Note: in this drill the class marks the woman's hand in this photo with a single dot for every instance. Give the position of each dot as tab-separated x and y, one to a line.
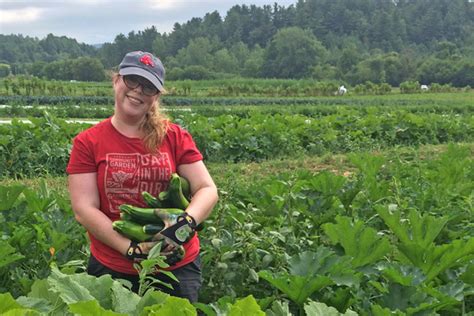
140	251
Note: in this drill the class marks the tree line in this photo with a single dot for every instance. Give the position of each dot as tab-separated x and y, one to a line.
358	41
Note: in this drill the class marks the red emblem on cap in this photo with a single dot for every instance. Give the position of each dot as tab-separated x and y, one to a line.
146	60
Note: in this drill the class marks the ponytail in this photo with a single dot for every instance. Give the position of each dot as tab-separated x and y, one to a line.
154	126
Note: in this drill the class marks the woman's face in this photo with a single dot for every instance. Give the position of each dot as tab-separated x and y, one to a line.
131	103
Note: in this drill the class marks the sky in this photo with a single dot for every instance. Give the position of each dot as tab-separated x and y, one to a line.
99	21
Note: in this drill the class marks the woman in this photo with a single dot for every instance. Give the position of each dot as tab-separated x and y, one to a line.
136	150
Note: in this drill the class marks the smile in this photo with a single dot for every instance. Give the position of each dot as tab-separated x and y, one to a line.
134	100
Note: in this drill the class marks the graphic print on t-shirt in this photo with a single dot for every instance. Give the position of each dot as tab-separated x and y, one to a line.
128	175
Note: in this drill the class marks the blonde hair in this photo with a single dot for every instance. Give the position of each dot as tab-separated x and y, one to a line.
155	126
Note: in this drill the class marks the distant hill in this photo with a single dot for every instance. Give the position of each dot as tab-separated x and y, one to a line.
25	49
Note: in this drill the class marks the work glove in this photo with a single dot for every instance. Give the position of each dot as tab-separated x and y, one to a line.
139	251
179	227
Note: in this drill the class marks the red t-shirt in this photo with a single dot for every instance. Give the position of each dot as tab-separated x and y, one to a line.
125	169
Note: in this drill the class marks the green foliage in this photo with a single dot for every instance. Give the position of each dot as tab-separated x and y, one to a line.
360	242
253	136
9	195
293	228
292	53
81	294
246	306
39	148
417	235
309	272
83	68
5	70
409	86
38	228
321	309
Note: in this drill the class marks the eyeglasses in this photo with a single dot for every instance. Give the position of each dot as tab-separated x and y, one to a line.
133	81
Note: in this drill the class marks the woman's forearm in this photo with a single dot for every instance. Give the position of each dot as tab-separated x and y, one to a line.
100	226
202	203
85	204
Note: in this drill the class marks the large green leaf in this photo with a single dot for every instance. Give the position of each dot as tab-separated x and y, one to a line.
87	308
38	304
246	306
150	298
405	275
421	299
38	202
9	195
321	309
311	263
124	301
279	308
417	235
98	287
358	240
323	261
370	165
7	302
205	309
417	231
221	307
10	307
468	275
171	307
297	288
21	312
69	290
445	256
41	290
401	297
327	183
452	292
380	311
310	272
9	254
348	192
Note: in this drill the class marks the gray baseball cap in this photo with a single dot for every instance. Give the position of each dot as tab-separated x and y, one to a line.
145	65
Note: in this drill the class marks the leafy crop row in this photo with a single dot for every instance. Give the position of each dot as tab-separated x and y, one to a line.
312	110
43	147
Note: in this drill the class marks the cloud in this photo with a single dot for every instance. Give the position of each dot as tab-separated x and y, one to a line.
163	4
28	14
99	21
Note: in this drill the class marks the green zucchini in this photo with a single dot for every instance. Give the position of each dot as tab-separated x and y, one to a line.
131	230
175	196
185	187
152	228
151	200
140	214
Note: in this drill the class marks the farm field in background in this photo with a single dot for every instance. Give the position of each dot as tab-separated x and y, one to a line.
356	204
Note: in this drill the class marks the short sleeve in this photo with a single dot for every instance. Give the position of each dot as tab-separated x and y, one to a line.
186	150
82	159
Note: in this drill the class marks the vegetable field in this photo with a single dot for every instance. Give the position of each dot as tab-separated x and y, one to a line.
331	206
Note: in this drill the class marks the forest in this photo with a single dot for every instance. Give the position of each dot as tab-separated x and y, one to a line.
378	41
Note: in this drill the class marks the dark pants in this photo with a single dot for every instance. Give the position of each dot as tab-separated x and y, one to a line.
189	277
